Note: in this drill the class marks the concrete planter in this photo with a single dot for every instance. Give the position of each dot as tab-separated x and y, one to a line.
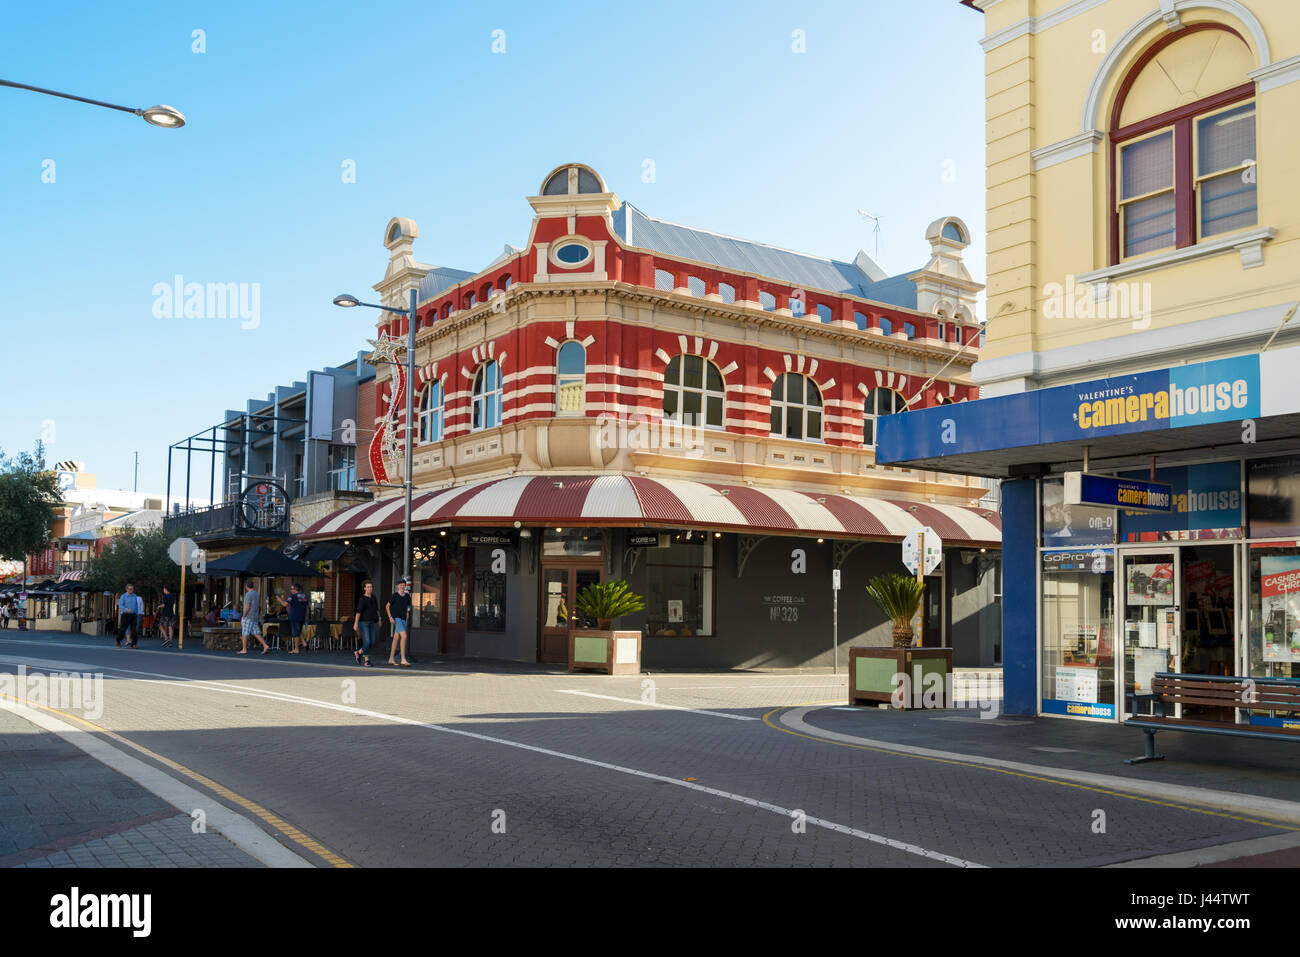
613	652
873	671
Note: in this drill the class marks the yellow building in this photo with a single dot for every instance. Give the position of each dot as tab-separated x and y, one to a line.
1138	380
1142	201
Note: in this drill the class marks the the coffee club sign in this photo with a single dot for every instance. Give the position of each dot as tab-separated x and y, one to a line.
487	539
1224	390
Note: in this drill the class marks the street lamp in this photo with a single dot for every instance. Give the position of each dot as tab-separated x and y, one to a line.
167	117
348	301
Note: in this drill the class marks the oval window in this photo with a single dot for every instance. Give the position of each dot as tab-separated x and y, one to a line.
572	254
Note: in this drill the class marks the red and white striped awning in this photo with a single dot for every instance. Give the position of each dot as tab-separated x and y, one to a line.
75	575
632	501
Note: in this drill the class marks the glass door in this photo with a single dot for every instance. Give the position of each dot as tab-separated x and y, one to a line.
560	587
1150	588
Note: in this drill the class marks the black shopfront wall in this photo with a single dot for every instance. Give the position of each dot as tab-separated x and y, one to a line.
775	616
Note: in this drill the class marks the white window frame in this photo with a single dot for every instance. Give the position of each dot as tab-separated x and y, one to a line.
705	393
482	402
802	408
871	410
571	380
427	414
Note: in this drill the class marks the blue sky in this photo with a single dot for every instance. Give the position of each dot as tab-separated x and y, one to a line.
883	112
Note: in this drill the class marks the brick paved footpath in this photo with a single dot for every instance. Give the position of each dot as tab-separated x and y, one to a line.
59	807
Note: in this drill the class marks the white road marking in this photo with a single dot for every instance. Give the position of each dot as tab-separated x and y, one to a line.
656	704
239	830
904	846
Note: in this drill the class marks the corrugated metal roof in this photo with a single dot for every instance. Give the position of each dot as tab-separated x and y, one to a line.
726	252
439	279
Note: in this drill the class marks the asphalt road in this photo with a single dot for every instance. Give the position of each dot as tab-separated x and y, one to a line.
380	767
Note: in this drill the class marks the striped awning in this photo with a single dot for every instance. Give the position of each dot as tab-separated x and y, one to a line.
633	501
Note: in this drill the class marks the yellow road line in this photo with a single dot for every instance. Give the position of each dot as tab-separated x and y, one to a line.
271	819
1008	771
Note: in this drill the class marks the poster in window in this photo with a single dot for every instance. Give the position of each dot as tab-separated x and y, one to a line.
674	609
1151	584
1073	524
1280	592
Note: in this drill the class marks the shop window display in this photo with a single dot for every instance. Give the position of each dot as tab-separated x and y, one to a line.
680	587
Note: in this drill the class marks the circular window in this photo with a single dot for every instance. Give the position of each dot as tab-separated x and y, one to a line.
572	254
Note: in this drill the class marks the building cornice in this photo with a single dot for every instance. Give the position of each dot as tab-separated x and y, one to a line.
520	293
1081	144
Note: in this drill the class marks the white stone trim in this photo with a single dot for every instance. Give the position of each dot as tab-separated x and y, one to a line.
1250	246
1032	25
1081	144
1119	53
1276	74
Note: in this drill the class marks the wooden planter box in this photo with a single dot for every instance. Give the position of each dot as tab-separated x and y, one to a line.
613	652
872	672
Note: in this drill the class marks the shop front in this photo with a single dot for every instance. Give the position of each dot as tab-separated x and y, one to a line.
731	577
1101	597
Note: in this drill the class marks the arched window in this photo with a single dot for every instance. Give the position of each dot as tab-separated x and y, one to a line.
487	397
1183	143
571	379
796	407
694	393
886	326
879	402
429	414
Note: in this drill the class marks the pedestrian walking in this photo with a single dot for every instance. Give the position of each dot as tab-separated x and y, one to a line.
365	621
297	605
4	614
399	613
130	608
166	616
250	622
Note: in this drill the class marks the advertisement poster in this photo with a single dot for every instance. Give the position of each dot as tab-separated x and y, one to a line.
1280	592
1151	584
674	609
1147	663
1073	524
1074	683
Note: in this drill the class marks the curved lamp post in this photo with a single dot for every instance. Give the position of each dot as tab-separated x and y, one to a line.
168	117
348	301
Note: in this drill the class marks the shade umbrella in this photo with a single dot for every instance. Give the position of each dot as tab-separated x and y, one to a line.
262	561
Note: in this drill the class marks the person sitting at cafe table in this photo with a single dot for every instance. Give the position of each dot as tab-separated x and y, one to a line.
297	605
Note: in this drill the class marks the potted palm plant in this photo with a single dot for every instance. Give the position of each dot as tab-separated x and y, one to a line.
903	676
601	648
898	596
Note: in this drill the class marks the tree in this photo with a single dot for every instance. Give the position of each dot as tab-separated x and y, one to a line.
138	556
28	496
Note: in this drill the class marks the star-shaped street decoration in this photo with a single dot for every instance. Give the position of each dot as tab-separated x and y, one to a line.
386	349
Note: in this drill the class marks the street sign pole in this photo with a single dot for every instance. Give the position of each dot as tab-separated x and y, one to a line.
181	638
835	620
920	577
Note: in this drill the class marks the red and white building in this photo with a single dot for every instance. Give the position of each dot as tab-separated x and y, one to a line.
624	397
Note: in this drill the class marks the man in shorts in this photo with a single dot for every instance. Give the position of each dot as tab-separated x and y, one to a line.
399	613
251	622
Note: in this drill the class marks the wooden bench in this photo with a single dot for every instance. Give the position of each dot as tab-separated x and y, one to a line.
1277	695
